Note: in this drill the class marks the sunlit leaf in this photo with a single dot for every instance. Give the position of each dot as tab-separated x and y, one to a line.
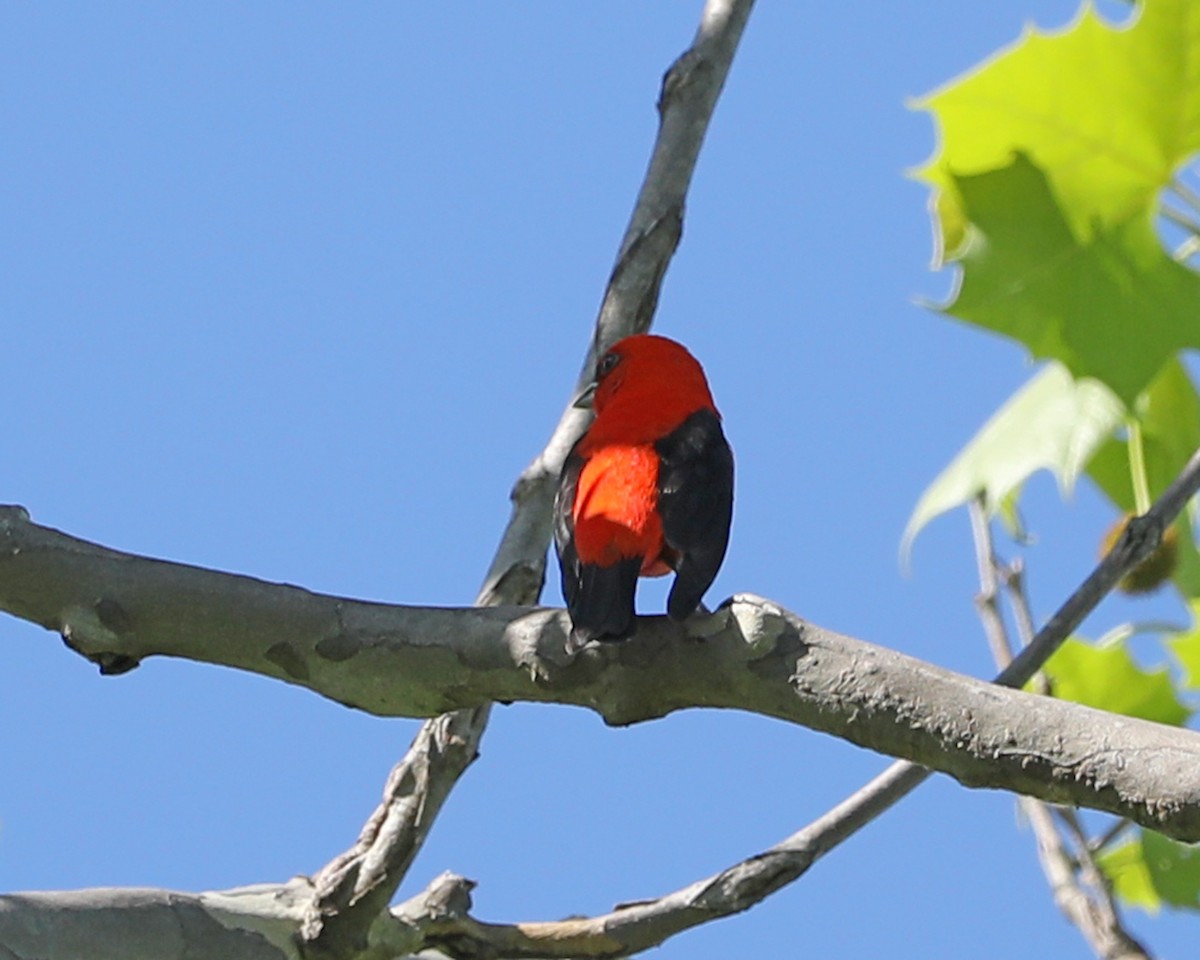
1174	869
1047	181
1052	423
1187	574
1152	870
1125	867
1107	678
1186	648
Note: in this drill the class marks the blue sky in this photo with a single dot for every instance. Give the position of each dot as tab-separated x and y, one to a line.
296	291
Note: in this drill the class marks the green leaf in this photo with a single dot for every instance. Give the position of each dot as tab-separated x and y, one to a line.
1107	678
1174	869
1054	422
1187	574
1186	648
1046	186
1125	867
1154	870
1115	307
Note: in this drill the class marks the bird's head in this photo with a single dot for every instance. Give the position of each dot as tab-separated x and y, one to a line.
647	376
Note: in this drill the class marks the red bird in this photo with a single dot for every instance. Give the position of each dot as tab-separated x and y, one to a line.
646	490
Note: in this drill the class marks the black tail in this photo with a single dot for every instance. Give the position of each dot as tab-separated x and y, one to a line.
601	606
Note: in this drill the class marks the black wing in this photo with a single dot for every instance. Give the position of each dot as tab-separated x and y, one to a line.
599	599
695	500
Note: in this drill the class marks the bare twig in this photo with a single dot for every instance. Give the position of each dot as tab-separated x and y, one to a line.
639	926
1012	576
1141	538
1077	884
352	891
1081	852
1185	193
1180	219
1090	908
987	601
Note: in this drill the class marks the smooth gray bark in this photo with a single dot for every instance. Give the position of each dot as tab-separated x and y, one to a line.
752	655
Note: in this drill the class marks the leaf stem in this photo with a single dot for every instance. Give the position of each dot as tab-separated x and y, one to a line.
1137	467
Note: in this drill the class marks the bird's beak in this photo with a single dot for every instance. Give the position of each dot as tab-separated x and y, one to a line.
583	399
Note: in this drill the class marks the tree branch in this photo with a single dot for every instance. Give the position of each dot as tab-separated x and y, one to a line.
750	655
249	923
1077	885
689	95
1141	537
1092	911
352	891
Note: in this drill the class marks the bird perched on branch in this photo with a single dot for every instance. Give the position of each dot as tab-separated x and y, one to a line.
646	490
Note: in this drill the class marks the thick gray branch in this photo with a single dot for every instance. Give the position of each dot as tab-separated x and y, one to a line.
419	661
251	923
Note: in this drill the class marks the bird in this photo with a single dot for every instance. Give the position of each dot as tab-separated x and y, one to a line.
646	490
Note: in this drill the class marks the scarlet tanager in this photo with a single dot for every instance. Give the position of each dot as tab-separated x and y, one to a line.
646	490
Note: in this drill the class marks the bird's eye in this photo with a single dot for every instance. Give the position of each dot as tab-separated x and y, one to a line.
606	364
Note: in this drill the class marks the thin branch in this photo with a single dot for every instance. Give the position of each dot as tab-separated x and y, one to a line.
1141	538
1082	856
1187	249
1114	933
987	600
1012	575
1076	883
1118	829
352	891
1092	912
